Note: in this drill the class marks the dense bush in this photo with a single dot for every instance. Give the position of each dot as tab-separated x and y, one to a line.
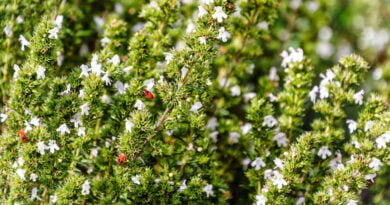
194	102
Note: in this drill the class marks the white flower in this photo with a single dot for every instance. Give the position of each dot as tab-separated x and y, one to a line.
280	139
300	200
24	42
34	194
208	189
52	146
356	144
278	180
212	123
208	2
352	125
246	128
104	41
313	93
202	40
127	69
223	34
53	33
120	87
136	179
352	202
129	125
106	78
33	177
201	11
84	71
184	71
95	151
59	20
168	57
190	27
263	25
21	173
324	152
369	124
8	30
214	136
296	55
261	199
183	186
66	91
370	177
195	107
3	117
96	68
41	72
375	164
115	60
149	84
28	127
358	97
324	92
382	140
273	74
81	131
268	174
219	14
16	71
234	137
63	129
258	163
269	121
76	120
84	109
249	96
235	91
279	163
53	199
41	147
139	104
86	188
35	121
81	94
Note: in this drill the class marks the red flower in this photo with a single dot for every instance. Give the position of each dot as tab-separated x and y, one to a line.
121	159
148	94
23	136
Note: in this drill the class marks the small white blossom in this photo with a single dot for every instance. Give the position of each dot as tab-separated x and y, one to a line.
235	91
279	163
127	69
272	97
53	33
120	87
370	177
212	123
63	129
234	137
52	146
76	120
324	92
139	104
324	152
269	121
183	186
190	27
35	121
313	94
207	2
195	107
281	139
21	173
41	72
202	40
34	194
246	128
136	179
369	124
129	125
219	14
81	94
24	42
278	180
33	177
273	74
261	199
8	30
84	71
352	125
106	78
382	140
81	131
208	189
258	163
3	117
58	21
84	109
115	60
66	91
41	147
149	84
201	11
223	34
249	96
358	97
53	199
95	152
168	57
296	55
28	127
352	202
184	71
375	164
86	188
263	25
300	200
96	68
16	71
